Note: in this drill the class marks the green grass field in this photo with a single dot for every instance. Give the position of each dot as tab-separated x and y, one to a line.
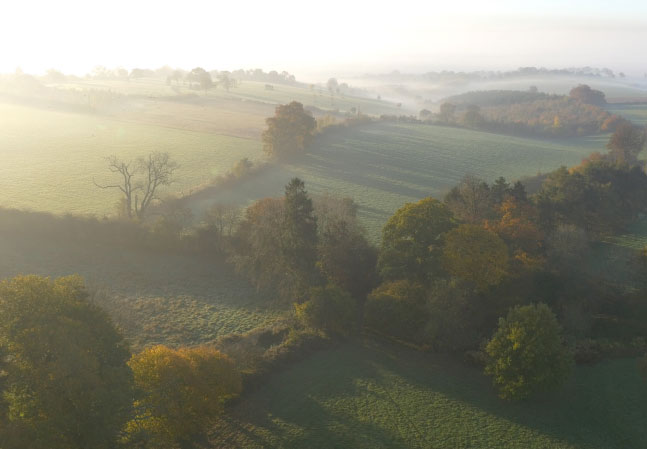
380	396
252	91
382	166
50	158
637	113
634	238
155	298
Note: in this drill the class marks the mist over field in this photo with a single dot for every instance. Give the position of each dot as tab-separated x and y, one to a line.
342	225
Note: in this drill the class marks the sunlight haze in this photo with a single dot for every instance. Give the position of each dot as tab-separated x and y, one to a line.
348	37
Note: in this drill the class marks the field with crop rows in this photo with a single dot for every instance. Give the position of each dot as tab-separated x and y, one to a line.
381	396
382	166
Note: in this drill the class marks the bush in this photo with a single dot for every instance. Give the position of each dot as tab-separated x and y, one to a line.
526	353
587	351
262	352
329	309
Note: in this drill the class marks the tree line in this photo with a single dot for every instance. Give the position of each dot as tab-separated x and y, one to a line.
489	272
528	113
453	274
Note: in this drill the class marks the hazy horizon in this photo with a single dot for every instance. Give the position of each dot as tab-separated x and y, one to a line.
337	37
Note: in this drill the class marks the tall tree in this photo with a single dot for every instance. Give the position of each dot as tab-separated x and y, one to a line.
411	240
289	132
65	383
526	353
276	244
347	259
225	80
258	244
475	255
447	111
299	237
626	143
585	94
140	181
332	86
202	77
470	200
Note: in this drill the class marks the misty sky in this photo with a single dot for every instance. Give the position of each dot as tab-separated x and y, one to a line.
303	37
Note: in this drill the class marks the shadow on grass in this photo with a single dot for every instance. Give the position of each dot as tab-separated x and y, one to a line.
305	423
380	395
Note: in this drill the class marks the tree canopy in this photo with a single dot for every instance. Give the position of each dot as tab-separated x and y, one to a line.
585	94
475	254
626	143
411	240
299	240
179	393
526	353
289	132
65	382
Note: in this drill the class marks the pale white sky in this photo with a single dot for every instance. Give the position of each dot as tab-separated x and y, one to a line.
335	35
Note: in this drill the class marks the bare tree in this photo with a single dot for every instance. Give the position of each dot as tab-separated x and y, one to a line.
223	218
158	169
469	200
144	177
126	170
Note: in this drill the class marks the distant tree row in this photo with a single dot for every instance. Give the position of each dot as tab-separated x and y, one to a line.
529	113
521	72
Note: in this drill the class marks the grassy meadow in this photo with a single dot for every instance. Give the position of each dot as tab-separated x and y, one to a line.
375	395
50	158
246	91
384	165
155	298
637	113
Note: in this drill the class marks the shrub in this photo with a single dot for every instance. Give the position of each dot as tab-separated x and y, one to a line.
329	309
526	353
587	351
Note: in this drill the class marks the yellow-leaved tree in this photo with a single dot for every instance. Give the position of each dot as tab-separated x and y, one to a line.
526	355
180	393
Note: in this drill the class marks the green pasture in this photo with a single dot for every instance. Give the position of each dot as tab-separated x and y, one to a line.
155	298
382	166
318	96
637	113
374	395
50	158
